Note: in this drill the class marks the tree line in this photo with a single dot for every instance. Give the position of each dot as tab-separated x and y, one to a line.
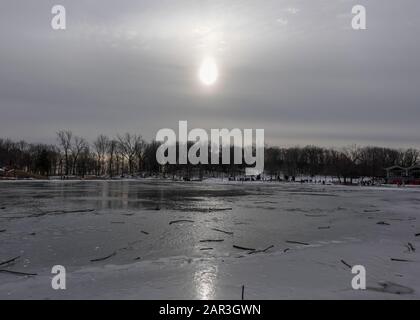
130	155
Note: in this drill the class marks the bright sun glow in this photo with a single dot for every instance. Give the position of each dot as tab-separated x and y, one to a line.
209	72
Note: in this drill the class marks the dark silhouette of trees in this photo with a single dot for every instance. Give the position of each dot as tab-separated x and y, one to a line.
130	155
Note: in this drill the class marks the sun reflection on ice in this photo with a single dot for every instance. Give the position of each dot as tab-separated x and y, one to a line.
205	279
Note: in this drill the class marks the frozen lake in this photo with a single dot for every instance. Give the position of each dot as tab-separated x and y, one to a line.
148	239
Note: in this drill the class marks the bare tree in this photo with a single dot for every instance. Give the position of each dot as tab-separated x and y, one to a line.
139	147
128	145
65	140
409	157
101	145
77	147
112	157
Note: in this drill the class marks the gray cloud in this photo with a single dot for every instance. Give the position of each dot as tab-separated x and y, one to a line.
294	68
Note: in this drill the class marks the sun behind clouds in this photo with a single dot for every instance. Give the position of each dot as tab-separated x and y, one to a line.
209	72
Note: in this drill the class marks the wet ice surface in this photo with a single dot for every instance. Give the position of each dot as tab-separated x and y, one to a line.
144	239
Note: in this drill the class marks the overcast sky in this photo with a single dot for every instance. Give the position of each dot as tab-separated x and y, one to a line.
293	68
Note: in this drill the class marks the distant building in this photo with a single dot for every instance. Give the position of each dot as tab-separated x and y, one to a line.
401	175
